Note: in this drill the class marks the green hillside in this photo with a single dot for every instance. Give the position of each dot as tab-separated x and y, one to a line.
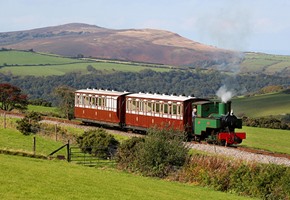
266	63
27	178
267	139
24	63
262	105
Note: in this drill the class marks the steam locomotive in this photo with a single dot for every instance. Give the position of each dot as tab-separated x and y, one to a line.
201	119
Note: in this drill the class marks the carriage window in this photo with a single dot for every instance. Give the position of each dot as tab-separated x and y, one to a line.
157	107
77	100
135	105
145	106
111	103
93	101
174	109
149	106
129	105
165	107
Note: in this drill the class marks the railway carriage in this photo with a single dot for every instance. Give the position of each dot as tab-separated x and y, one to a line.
144	110
100	106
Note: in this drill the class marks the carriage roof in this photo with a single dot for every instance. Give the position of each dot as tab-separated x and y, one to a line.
101	92
160	97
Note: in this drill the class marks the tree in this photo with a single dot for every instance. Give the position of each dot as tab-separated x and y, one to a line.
12	98
65	95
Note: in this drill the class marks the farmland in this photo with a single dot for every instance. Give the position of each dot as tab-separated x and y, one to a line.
266	63
23	63
43	64
263	105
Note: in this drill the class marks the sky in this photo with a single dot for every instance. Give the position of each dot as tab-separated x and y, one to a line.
244	25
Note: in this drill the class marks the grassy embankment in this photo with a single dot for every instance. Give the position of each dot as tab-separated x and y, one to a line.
267	139
13	140
262	105
275	104
22	63
266	63
28	178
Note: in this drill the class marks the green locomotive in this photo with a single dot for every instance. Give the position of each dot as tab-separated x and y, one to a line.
215	122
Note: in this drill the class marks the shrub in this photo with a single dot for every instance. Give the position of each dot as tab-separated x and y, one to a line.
160	153
98	143
24	126
127	153
29	124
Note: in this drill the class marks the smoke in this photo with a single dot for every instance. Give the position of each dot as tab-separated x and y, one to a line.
229	26
224	94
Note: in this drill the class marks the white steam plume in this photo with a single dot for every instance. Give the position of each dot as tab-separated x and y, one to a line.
224	94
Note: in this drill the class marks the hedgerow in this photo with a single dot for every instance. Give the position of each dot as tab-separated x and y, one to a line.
267	122
265	181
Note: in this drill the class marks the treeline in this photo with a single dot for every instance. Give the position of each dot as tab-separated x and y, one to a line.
268	122
199	83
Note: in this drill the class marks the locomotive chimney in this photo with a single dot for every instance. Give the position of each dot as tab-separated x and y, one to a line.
222	108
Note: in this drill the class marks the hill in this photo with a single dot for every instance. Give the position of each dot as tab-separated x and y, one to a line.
260	63
142	45
263	105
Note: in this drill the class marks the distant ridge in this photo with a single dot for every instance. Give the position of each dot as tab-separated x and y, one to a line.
142	45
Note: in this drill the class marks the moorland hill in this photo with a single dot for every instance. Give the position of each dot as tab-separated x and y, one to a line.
142	45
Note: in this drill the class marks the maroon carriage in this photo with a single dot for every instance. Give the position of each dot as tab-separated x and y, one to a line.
147	110
100	106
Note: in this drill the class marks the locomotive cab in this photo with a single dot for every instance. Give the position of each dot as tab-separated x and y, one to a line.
216	123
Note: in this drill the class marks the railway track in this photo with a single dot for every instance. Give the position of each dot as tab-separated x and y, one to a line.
263	155
239	152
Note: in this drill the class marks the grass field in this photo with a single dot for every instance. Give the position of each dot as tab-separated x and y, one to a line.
27	178
43	109
266	63
11	139
267	139
262	105
29	63
15	62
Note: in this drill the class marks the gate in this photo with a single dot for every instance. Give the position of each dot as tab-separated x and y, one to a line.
79	157
76	155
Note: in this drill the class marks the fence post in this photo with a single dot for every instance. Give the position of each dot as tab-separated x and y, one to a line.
34	145
68	151
4	120
55	131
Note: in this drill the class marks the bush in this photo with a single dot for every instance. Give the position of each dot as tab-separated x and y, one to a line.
24	126
29	124
127	154
160	153
98	143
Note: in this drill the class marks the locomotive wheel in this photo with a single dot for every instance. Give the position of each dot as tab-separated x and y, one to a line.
222	143
197	138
